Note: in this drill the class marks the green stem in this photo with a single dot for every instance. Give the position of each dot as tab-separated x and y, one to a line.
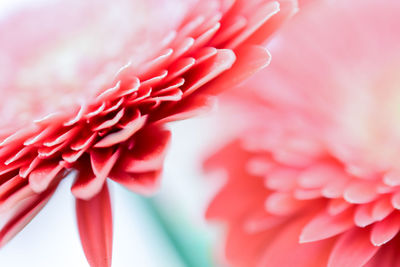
192	248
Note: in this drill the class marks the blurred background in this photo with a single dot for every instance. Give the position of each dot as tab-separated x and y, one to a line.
165	230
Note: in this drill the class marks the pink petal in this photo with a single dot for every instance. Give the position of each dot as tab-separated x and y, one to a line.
180	67
382	232
237	24
325	225
250	59
286	8
19	135
318	175
282	179
360	192
189	108
283	204
335	188
259	220
41	177
95	228
363	215
392	178
260	16
387	256
353	249
24	216
12	191
337	205
285	250
208	70
204	54
382	208
395	200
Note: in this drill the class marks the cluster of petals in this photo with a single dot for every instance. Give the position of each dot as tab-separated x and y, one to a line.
156	64
314	180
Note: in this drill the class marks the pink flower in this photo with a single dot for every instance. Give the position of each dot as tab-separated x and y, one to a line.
71	103
314	180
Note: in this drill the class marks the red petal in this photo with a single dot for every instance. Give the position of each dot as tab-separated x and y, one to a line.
208	70
141	183
180	67
124	134
149	151
111	122
89	184
95	228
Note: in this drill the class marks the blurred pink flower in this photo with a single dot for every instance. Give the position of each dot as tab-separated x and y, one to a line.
68	106
314	180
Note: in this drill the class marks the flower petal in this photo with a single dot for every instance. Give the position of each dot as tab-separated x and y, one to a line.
325	225
89	184
95	228
41	177
142	183
382	232
124	134
353	249
24	216
209	70
148	152
250	59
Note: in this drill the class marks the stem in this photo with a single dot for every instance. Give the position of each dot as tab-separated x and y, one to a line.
192	249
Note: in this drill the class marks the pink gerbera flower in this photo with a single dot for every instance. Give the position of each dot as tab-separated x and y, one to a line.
87	87
314	181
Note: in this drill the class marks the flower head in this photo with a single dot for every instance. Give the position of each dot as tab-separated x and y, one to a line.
91	95
314	180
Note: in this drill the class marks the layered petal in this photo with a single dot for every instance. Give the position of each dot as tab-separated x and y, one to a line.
90	96
314	162
95	227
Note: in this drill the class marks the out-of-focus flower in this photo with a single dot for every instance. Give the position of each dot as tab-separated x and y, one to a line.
314	180
88	85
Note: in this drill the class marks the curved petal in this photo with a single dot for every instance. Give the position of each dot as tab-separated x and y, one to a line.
24	216
353	249
382	232
250	59
325	225
286	241
89	183
148	152
143	183
95	228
